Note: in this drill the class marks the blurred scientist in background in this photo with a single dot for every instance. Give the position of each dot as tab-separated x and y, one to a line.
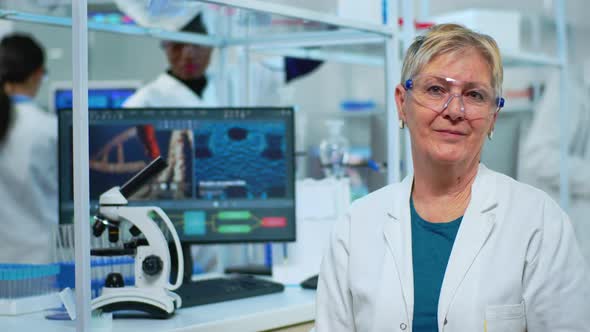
185	83
189	80
28	156
540	157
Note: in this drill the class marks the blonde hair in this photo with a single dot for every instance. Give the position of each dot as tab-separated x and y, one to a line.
451	38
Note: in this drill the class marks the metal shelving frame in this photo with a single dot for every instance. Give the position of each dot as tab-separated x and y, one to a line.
346	32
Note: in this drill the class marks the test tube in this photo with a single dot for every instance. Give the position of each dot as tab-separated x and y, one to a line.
2	283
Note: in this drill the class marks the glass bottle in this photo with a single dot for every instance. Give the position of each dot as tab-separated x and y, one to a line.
334	150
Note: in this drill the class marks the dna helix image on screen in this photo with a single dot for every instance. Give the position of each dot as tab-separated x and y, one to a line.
229	177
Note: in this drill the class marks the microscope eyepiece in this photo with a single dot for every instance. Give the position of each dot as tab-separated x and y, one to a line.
141	178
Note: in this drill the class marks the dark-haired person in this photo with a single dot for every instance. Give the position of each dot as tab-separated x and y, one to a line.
189	82
28	156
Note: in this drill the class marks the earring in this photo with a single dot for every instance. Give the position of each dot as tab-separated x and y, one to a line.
491	135
402	124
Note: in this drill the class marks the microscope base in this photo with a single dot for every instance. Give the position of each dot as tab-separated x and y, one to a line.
156	302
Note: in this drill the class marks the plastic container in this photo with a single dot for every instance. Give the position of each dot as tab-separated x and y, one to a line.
26	288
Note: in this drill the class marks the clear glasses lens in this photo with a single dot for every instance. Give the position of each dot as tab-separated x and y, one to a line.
475	99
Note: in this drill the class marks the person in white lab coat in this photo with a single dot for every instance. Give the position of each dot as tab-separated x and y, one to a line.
540	157
188	82
28	157
454	247
185	83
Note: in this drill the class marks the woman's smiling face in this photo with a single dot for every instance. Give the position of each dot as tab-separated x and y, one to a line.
448	137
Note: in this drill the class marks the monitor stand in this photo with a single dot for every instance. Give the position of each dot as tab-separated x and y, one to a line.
215	290
188	262
249	269
252	269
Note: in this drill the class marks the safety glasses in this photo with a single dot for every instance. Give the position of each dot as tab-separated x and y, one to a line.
476	100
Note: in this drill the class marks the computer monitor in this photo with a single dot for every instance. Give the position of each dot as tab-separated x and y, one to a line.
101	94
230	176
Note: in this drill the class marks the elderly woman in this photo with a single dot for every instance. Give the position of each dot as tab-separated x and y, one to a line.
454	246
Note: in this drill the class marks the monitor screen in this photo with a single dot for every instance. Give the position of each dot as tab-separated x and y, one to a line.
103	98
230	173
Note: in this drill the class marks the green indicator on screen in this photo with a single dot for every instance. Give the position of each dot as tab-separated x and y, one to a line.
234	229
234	215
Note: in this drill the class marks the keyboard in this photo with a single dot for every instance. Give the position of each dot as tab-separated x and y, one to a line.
225	289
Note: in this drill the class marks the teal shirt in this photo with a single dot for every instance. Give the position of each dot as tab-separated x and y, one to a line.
431	249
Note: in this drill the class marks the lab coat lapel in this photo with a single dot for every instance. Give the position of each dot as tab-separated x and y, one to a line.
397	231
476	226
181	95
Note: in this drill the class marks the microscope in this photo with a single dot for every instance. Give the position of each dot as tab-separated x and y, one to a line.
152	292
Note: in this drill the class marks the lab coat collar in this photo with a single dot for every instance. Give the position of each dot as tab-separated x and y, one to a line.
482	194
476	226
182	91
398	235
185	95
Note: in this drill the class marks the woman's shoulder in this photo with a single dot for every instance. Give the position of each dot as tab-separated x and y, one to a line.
376	207
524	197
506	184
30	116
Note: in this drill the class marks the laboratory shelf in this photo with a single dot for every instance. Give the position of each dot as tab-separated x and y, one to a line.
277	29
353	54
252	14
329	20
294	35
64	21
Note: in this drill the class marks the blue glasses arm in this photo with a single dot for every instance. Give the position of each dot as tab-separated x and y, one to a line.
409	84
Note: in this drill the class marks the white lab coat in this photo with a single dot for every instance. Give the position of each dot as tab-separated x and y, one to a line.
167	91
539	159
515	265
28	187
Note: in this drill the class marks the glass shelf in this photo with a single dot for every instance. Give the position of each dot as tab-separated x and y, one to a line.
357	54
278	14
256	24
265	27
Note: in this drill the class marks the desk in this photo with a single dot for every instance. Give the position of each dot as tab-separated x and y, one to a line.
291	307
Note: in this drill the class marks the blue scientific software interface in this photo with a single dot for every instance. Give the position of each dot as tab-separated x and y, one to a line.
97	97
230	173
